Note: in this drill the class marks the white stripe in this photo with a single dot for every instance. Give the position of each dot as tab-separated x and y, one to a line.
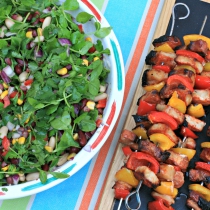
30	203
104	6
127	105
85	183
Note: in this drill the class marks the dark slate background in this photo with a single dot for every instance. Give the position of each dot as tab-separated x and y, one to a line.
191	25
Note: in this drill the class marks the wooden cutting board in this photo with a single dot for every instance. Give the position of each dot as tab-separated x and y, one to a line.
107	200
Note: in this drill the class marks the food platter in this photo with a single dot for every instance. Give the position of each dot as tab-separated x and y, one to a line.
144	192
115	91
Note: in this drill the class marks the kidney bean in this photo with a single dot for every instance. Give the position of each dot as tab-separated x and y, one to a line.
74	149
25	133
82	138
9	180
32	176
3	164
84	101
14	161
62	159
18	69
34	33
69	67
29	18
45	167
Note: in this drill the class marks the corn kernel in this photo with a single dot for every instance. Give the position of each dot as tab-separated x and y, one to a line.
48	148
5	85
21	140
29	34
19	101
91	105
88	39
62	71
14	141
85	62
27	120
76	136
39	31
71	156
19	116
29	130
96	58
5	168
5	93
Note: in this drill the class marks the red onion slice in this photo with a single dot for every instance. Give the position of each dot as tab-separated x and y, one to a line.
5	78
64	41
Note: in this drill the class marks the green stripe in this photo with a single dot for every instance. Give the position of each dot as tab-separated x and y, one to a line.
98	3
17	204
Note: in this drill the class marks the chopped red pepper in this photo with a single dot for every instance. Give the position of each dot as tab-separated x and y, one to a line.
145	107
28	82
164	68
98	122
13	94
162	117
158	205
121	193
191	54
5	143
92	49
127	150
4	153
185	131
142	159
80	28
6	101
202	165
101	103
202	82
183	80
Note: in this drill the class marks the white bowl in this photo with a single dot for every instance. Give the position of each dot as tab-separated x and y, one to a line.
115	97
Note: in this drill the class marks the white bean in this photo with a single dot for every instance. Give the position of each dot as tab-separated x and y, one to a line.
39	39
46	22
52	142
22	178
9	23
3	28
32	176
100	97
3	131
23	76
62	159
102	88
19	18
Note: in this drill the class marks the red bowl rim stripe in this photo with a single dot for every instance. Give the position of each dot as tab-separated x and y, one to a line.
93	9
106	126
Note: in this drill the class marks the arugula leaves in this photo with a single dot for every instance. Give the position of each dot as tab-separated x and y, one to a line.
48	107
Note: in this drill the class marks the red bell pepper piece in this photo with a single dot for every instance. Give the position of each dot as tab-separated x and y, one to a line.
158	205
202	82
28	82
13	94
5	143
92	49
127	150
162	117
183	80
80	28
145	108
121	193
142	159
98	122
164	68
101	103
191	54
6	101
185	131
202	165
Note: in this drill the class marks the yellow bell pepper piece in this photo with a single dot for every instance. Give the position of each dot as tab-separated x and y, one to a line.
165	48
206	67
162	140
196	110
205	192
177	67
157	87
194	37
205	145
177	103
185	151
127	176
167	188
140	132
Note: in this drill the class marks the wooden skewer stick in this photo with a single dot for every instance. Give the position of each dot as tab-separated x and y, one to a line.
202	27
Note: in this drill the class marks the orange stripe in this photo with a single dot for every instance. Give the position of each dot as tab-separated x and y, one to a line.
128	80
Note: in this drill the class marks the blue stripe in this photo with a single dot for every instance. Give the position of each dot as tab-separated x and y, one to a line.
62	196
120	14
118	66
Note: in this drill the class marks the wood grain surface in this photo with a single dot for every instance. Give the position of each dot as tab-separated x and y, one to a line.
107	199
